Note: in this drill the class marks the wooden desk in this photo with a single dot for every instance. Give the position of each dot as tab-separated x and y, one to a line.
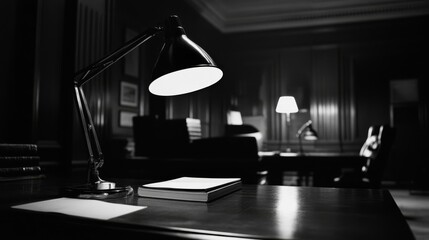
324	166
255	212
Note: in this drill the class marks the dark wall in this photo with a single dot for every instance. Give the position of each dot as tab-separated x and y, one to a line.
367	55
17	86
35	102
341	74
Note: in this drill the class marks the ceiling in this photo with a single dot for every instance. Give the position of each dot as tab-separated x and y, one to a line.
230	16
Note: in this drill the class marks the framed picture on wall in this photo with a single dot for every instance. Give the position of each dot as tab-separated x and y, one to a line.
126	118
129	94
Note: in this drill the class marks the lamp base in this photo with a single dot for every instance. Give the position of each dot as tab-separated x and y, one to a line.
100	190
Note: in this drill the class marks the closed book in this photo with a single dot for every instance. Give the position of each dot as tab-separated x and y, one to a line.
191	188
20	171
24	177
19	161
7	149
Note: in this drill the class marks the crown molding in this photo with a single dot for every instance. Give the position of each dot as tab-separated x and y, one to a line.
253	15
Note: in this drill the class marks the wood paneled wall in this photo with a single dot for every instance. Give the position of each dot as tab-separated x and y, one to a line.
339	77
311	75
18	87
93	41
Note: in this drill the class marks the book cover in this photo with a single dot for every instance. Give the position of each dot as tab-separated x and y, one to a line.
24	177
19	161
20	171
191	188
7	149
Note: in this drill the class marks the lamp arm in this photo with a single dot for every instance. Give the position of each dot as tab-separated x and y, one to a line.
96	68
301	150
96	158
299	134
94	161
303	127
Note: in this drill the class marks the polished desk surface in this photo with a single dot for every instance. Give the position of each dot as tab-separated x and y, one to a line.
339	158
306	154
255	212
324	166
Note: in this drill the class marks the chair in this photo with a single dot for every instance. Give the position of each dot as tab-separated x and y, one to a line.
227	156
165	138
178	144
235	127
376	150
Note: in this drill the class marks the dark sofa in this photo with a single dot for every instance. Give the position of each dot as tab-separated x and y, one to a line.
173	148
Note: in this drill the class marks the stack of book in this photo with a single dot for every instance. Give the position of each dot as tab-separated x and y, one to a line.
194	128
19	161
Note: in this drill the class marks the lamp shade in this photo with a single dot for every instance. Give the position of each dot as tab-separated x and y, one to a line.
234	118
182	66
286	104
310	134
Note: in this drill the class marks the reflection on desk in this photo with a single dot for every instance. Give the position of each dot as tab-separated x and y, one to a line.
255	212
309	154
324	166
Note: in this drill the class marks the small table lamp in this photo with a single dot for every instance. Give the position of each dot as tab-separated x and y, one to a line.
307	132
182	67
287	104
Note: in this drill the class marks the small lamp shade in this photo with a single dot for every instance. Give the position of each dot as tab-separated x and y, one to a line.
182	66
286	104
234	118
307	132
310	134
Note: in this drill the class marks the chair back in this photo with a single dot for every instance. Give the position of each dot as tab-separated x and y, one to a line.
164	137
377	150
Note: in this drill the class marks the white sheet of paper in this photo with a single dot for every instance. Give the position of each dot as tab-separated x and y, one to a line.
81	207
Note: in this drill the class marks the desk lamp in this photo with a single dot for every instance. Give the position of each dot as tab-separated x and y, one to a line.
182	67
307	132
287	104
